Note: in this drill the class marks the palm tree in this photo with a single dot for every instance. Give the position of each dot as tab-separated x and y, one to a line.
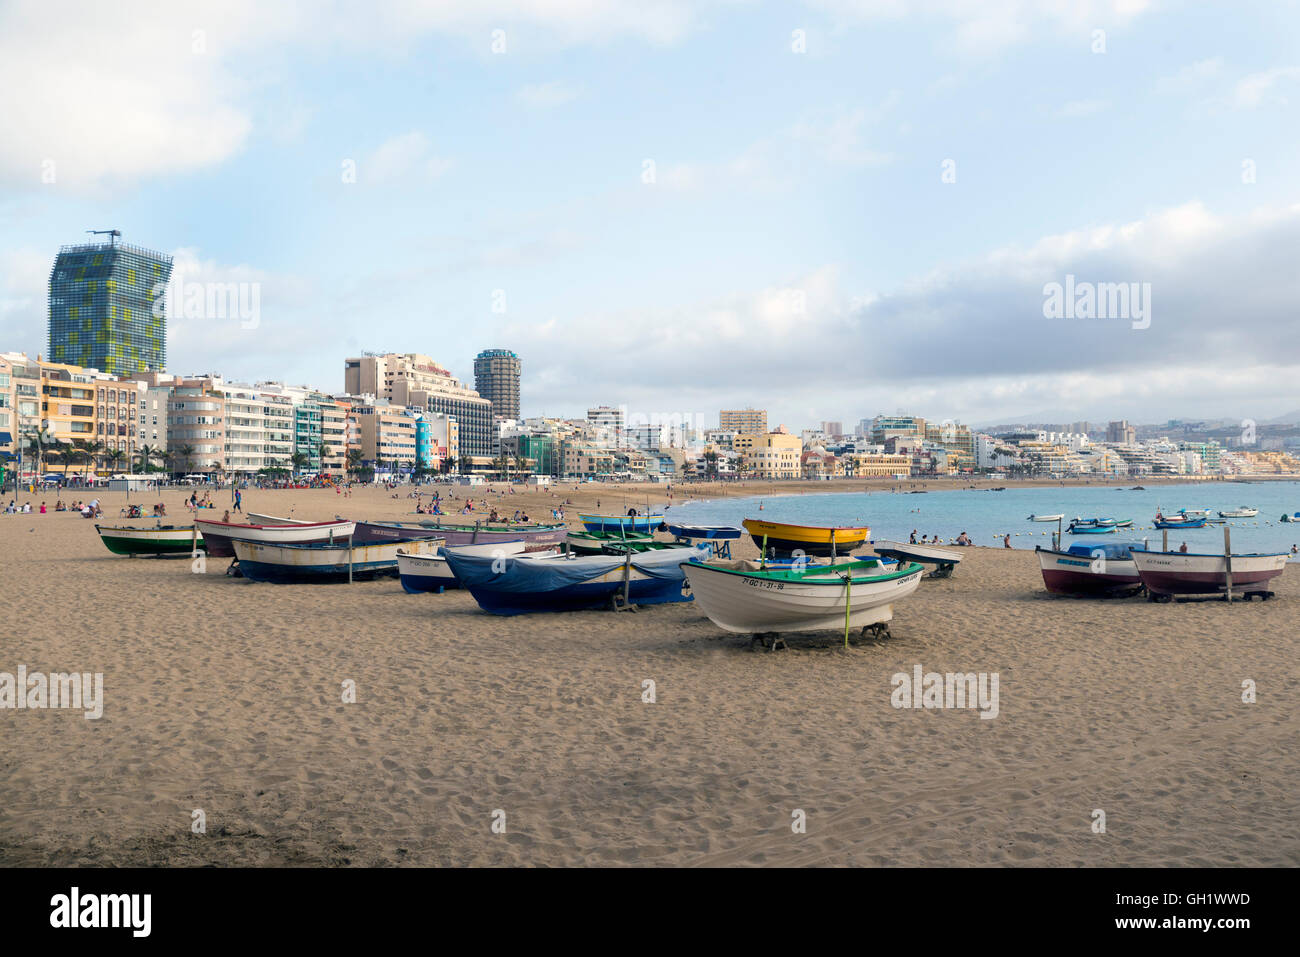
354	461
146	454
91	451
323	452
113	457
300	461
187	453
449	464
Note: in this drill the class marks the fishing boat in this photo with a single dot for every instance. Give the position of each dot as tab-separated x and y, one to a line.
1194	512
425	573
522	584
1046	518
624	523
258	519
142	540
943	560
1293	517
323	562
1162	522
708	532
1095	522
1088	528
219	535
1101	569
1243	511
809	539
1166	574
535	536
593	543
746	598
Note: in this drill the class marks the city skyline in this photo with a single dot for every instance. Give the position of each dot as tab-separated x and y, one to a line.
884	206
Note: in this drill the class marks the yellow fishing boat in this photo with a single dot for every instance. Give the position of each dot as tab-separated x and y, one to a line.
810	539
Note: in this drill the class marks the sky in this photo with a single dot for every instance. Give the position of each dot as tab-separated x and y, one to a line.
829	209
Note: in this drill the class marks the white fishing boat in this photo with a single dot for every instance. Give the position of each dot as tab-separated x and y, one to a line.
1046	518
944	560
259	519
1166	574
746	598
219	536
424	573
323	562
1245	511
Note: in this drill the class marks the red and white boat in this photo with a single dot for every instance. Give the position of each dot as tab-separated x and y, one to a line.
218	536
1082	569
1182	573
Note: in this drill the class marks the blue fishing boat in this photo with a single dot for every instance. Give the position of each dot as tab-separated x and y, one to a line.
1180	522
1088	528
522	584
706	531
624	523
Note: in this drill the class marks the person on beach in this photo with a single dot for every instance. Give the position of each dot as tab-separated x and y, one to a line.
239	499
42	508
225	516
1006	541
1183	547
912	540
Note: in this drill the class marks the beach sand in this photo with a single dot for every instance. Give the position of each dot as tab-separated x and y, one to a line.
225	695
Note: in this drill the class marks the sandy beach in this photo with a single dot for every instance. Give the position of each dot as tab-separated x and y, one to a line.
226	696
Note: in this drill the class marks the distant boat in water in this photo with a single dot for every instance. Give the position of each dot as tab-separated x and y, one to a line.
1179	522
1245	511
1046	518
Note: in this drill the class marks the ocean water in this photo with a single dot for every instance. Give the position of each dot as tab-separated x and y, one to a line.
986	515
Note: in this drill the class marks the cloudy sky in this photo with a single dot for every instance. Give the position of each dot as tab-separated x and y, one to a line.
829	209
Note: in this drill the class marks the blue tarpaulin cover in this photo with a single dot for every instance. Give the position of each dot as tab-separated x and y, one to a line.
512	574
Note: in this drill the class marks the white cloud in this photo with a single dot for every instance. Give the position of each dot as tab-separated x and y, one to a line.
545	95
406	157
1077	108
1270	85
1191	76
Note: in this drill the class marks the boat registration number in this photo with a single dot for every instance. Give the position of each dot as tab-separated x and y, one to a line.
772	586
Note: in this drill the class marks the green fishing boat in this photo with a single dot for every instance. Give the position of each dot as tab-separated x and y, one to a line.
593	543
159	540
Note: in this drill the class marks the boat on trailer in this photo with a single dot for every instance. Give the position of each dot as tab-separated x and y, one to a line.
143	540
523	584
324	563
1166	574
943	560
746	598
426	573
785	538
1106	568
218	536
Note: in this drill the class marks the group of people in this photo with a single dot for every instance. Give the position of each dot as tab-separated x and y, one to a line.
88	509
962	539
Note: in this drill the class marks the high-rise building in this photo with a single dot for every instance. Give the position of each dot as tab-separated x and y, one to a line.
747	421
496	378
106	308
418	383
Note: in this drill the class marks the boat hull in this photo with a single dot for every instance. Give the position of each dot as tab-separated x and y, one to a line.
285	564
752	603
924	554
1069	574
172	540
1180	573
809	539
220	536
426	573
534	537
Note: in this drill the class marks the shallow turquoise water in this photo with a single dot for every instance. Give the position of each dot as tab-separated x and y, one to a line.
986	516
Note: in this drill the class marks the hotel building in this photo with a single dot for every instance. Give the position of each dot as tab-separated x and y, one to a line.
496	378
416	382
106	307
746	421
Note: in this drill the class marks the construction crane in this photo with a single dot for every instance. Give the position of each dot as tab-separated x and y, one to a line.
112	234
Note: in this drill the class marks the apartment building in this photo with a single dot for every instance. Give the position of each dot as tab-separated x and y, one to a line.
771	455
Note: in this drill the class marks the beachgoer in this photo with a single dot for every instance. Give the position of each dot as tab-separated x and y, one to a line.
1006	541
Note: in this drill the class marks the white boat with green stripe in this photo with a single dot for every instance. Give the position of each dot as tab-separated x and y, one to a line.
746	598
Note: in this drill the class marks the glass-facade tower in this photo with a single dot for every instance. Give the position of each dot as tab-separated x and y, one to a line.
496	378
107	307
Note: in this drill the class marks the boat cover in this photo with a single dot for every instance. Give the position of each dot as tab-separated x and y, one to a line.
509	574
1112	550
